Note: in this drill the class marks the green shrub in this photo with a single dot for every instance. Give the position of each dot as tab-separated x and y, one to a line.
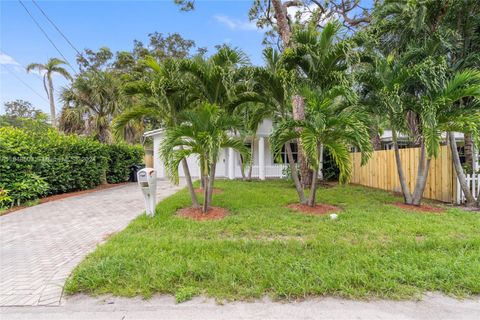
33	164
120	159
30	187
5	199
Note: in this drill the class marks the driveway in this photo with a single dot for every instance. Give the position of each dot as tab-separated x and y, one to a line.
40	245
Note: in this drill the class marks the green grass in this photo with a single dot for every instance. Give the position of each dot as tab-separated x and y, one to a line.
262	248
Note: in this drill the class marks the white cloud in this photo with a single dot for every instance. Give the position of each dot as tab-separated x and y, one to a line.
235	24
6	59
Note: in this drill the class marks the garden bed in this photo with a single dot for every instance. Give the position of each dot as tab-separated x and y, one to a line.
372	250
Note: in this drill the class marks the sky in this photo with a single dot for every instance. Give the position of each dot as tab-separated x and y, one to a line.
114	24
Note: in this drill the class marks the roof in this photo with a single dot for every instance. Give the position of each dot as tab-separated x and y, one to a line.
153	133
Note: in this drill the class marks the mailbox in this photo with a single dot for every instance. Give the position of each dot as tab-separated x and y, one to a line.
147	180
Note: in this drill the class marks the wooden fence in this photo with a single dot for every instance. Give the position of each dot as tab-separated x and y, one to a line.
381	172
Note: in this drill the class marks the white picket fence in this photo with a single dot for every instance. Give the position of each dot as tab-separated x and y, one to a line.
473	181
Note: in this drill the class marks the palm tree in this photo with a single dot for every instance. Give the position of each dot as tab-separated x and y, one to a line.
204	132
91	102
275	87
332	122
161	101
52	66
324	60
436	102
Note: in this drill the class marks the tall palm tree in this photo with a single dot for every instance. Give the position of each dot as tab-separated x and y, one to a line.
324	59
162	101
332	122
52	66
203	133
436	101
275	87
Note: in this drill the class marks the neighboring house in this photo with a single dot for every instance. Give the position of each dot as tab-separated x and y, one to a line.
265	165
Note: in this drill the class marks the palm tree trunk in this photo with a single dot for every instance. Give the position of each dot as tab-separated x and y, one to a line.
252	150
459	170
191	190
51	98
422	175
375	138
211	182
313	187
320	169
468	150
298	105
293	170
205	193
407	197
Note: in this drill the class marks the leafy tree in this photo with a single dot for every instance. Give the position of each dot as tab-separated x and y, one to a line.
21	114
90	104
52	66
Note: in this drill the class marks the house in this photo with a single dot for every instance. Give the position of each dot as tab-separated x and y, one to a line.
229	162
265	165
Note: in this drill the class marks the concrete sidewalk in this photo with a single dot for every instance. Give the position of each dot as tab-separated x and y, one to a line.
40	245
432	306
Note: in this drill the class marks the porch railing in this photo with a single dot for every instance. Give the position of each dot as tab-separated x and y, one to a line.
271	171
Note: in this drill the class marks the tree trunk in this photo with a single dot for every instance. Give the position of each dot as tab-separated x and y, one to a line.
407	197
422	175
211	182
459	170
293	170
51	99
252	148
191	190
282	22
469	151
313	187
375	138
205	193
320	169
298	105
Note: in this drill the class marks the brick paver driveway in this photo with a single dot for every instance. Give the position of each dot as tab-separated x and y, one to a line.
40	245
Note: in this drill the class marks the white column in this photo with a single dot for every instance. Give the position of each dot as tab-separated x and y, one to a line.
261	158
231	164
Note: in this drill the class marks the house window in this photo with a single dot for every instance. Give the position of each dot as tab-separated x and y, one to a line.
249	146
284	157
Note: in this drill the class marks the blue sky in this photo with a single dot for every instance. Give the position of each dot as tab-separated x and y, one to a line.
115	24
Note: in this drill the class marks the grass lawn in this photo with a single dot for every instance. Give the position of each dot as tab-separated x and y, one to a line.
262	248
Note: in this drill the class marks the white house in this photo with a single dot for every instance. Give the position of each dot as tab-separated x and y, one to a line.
264	164
229	165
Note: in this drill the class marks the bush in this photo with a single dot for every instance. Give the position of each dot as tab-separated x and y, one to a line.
121	157
33	164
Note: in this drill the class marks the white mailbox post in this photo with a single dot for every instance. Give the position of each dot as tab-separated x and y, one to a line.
147	180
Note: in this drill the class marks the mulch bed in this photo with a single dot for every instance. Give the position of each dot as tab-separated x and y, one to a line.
214	213
215	190
319	209
56	197
422	208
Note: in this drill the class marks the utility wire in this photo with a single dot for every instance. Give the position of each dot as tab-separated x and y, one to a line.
24	83
56	27
46	35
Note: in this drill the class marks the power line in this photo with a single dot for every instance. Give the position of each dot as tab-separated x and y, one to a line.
56	27
46	35
24	83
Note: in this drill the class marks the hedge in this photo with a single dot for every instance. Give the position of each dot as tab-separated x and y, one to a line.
35	164
120	158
